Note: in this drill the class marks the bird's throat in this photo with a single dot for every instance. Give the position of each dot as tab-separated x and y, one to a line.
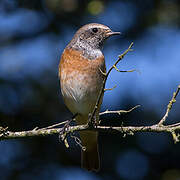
92	53
88	51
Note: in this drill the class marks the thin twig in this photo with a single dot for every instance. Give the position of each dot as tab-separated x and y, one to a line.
78	142
130	130
110	89
115	67
169	106
55	125
118	111
173	129
105	79
61	123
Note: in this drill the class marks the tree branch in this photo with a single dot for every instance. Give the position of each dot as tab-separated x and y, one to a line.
171	102
105	79
118	111
173	129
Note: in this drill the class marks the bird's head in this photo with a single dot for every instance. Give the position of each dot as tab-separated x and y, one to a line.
93	35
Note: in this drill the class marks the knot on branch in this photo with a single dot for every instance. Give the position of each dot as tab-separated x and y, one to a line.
3	131
175	136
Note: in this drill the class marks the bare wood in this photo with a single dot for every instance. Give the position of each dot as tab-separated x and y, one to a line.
173	129
118	111
169	106
105	79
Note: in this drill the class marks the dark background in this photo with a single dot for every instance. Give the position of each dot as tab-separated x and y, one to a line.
33	35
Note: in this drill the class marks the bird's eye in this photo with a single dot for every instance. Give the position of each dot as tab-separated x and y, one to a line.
94	30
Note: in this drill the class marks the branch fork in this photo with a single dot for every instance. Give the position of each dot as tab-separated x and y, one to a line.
173	129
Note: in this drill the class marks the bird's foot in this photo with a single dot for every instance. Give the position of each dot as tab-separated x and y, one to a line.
64	131
92	121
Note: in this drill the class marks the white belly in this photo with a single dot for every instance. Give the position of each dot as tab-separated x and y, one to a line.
80	92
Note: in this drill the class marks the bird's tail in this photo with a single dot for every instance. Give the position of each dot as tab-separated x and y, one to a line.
90	156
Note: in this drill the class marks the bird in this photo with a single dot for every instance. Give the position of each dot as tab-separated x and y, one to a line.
81	69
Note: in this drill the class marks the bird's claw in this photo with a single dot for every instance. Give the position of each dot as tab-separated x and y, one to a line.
92	122
64	130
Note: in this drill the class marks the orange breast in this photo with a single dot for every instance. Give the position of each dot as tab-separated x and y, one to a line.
81	80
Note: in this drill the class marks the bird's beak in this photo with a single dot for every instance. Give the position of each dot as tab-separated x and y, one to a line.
111	33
